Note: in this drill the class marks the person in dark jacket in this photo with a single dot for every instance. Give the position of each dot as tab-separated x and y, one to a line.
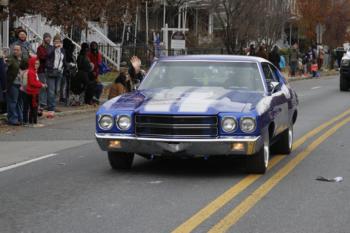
252	51
55	65
16	62
42	52
262	52
70	71
275	57
95	87
2	84
80	81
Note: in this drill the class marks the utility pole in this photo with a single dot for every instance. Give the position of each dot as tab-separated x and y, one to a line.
164	13
136	25
147	24
5	26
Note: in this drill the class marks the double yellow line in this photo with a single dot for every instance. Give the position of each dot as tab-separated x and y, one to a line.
233	216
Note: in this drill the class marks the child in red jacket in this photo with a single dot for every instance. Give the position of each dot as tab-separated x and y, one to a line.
33	90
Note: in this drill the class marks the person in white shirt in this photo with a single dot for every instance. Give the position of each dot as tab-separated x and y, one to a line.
55	65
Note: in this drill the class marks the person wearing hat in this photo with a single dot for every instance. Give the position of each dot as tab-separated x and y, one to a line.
26	47
55	65
42	53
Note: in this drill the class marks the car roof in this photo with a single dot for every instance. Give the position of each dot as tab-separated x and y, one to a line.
225	58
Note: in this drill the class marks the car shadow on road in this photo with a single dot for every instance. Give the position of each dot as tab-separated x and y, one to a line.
194	167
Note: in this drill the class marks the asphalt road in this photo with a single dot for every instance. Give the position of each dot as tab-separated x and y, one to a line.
73	189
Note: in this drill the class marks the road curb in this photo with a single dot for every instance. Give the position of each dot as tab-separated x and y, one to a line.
74	112
307	78
3	121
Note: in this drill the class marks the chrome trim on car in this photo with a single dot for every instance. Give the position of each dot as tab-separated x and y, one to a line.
221	139
167	126
160	125
192	147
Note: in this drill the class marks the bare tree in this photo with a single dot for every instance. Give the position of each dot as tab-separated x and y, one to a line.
75	12
273	17
250	21
236	19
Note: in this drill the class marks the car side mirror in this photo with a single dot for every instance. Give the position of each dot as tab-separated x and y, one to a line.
274	86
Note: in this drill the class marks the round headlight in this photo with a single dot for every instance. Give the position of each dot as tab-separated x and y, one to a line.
105	122
248	124
124	122
229	124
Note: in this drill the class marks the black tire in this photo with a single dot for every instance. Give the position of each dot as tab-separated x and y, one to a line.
344	83
258	163
120	161
284	145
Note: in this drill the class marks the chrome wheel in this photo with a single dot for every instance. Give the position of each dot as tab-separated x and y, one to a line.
290	138
266	154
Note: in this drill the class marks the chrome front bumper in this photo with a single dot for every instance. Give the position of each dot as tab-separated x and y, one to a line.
188	147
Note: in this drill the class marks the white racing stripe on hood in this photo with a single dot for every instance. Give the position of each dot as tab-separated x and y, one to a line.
164	100
201	99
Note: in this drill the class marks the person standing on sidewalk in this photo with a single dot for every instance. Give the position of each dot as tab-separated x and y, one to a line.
262	52
80	81
55	65
42	52
25	45
33	89
69	71
2	83
14	99
95	87
275	57
294	59
320	59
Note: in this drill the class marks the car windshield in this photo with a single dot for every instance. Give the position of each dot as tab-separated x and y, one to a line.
229	75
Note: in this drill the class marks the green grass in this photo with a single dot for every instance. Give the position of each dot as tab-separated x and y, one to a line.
109	77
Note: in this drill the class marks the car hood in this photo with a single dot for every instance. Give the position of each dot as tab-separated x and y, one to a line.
186	100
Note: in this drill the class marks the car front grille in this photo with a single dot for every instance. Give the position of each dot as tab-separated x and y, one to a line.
176	126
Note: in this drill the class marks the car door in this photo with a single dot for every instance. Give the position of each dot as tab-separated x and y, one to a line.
279	102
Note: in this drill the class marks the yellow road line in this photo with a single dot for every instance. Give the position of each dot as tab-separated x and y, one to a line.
203	214
222	200
317	130
237	213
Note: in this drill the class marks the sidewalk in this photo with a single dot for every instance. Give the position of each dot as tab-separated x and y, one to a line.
62	112
324	73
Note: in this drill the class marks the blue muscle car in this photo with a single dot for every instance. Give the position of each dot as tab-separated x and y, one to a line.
190	106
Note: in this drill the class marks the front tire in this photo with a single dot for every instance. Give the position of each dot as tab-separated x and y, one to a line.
284	145
344	83
120	161
259	162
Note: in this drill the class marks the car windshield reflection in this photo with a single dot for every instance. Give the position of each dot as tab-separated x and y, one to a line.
243	76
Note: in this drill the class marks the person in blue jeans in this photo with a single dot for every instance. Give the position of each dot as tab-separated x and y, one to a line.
55	64
14	97
43	50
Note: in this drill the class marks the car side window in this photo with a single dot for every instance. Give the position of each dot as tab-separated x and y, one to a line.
269	76
275	74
